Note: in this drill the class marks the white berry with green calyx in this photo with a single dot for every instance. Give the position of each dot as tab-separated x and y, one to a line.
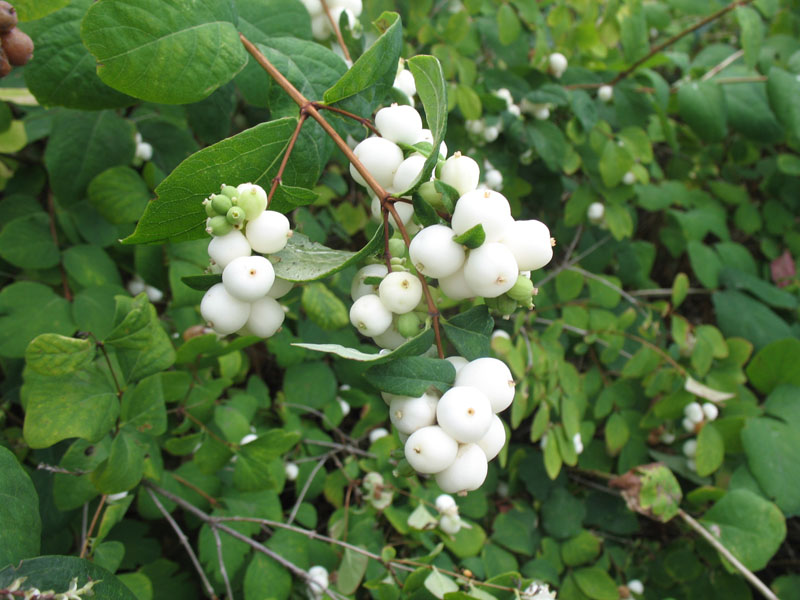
399	123
558	64
280	288
430	450
461	172
492	377
491	270
400	292
605	93
450	524
252	198
466	473
266	317
434	252
380	157
446	504
464	413
409	414
248	278
455	286
487	208
530	243
407	173
358	288
370	316
224	313
268	232
223	249
495	439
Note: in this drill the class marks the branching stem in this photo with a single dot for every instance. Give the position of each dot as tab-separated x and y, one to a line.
85	546
276	181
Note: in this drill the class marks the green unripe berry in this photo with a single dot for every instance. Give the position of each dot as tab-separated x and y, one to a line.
502	304
408	325
522	291
218	226
397	247
210	212
221	203
229	191
235	215
398	263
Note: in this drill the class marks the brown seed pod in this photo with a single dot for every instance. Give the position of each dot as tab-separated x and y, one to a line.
18	46
5	66
8	17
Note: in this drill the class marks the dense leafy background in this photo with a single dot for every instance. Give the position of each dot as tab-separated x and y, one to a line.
685	289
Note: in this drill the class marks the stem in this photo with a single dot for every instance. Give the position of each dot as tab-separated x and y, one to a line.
203	427
342	447
668	42
223	571
748	574
210	499
609	285
85	546
301	496
185	543
276	181
580	331
387	202
722	65
337	31
102	347
365	122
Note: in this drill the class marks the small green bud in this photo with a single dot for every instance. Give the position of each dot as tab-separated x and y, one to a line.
253	199
502	304
522	291
397	247
398	263
408	325
221	203
218	226
210	212
235	215
229	191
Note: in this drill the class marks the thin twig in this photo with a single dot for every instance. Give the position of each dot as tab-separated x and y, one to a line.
608	284
60	470
668	292
321	415
757	583
85	546
84	523
337	31
342	447
182	538
210	499
301	496
722	65
573	261
223	571
346	113
582	332
276	181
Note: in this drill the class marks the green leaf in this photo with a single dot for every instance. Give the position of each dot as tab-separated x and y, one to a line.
762	326
705	263
56	572
424	212
432	92
508	25
789	164
680	288
304	260
53	354
27	242
351	571
782	90
660	493
124	467
777	363
710	450
72	491
181	56
141	344
412	375
617	433
264	578
749	111
468	101
105	140
439	585
119	194
549	143
615	161
619	221
580	549
289	197
252	471
702	106
469	332
376	67
323	307
62	71
763	290
177	213
596	583
28	309
634	33
472	237
562	513
749	526
19	512
143	407
201	282
91	266
28	10
752	33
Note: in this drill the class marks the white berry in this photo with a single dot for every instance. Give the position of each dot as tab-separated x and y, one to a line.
635	586
487	208
400	292
404	210
629	178
710	411
434	253
224	248
399	123
494	439
558	64
248	278
450	524
461	172
370	316
464	413
358	288
530	243
446	504
407	173
405	83
409	414
467	471
280	288
455	286
595	212
268	232
694	412
492	377
224	313
252	198
458	362
430	450
378	433
266	317
690	448
605	93
390	339
380	157
426	135
291	470
491	270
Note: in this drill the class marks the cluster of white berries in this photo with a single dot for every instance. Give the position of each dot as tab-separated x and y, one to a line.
318	582
449	520
321	24
144	151
137	285
538	591
454	437
246	300
695	413
376	491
